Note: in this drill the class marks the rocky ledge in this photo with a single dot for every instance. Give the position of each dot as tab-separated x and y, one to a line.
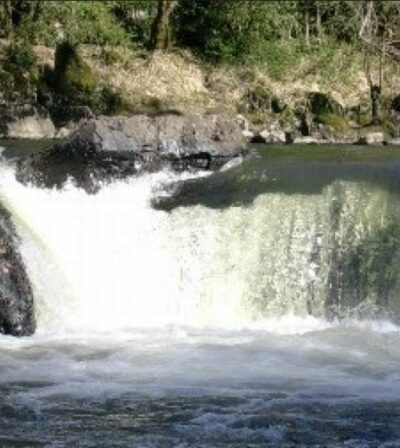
116	147
16	298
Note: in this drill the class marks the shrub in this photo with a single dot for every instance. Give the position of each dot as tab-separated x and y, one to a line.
19	75
336	122
113	103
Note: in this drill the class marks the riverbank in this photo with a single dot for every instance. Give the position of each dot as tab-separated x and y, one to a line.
314	103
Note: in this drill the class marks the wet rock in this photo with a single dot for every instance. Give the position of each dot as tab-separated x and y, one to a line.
116	147
16	298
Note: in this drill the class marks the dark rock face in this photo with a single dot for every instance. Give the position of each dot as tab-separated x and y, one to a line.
16	298
115	147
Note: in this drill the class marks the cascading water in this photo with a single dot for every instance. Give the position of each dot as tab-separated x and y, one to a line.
270	321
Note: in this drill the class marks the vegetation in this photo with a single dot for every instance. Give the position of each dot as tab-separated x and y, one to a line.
278	39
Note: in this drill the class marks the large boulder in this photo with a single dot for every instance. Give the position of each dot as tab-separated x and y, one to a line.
16	298
116	147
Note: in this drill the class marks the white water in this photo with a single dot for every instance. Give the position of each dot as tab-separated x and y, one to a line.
192	303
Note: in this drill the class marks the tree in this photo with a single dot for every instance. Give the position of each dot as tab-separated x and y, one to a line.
380	21
160	37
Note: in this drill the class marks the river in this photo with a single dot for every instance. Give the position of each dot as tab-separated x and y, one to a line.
254	307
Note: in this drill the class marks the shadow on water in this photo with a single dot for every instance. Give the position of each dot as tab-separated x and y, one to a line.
289	170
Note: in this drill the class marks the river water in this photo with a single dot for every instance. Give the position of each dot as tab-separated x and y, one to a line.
255	307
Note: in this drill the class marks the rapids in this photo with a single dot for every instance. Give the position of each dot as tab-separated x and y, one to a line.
258	307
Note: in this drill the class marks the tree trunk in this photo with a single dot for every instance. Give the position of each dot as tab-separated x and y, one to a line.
160	29
307	24
318	21
375	102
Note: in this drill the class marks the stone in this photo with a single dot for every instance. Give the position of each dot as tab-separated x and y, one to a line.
248	135
25	121
308	140
63	132
372	138
273	133
242	121
16	298
31	128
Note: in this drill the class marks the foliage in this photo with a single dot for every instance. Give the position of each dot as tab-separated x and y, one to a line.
336	122
19	71
282	39
113	103
76	21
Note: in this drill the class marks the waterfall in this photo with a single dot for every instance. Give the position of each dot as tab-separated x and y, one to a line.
111	261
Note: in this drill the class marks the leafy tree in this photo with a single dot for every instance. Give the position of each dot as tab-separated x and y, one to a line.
77	21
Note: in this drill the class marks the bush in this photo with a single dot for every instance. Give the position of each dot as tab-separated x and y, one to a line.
20	57
76	21
336	122
113	103
258	98
19	74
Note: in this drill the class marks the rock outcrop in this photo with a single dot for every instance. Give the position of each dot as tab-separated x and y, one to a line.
16	298
116	147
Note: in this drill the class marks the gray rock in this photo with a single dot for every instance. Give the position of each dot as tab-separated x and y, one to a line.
16	298
273	133
33	127
372	138
116	147
25	121
243	122
63	132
